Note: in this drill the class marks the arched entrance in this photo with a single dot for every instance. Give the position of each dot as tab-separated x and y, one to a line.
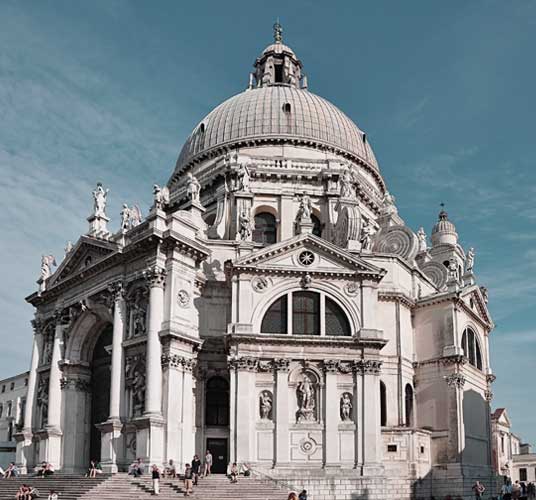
100	388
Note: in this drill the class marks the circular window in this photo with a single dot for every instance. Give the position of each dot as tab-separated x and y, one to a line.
306	258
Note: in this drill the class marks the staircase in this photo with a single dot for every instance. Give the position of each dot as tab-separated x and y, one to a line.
124	487
71	486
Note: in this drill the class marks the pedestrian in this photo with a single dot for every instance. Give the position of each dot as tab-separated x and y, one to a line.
208	463
302	495
156	479
478	489
52	495
506	490
292	496
196	469
234	473
531	491
188	487
516	490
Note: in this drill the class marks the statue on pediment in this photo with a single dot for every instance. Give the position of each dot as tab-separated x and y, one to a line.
421	235
305	210
193	188
160	196
470	260
100	196
47	261
367	231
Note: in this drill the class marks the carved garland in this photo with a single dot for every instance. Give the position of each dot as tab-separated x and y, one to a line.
175	361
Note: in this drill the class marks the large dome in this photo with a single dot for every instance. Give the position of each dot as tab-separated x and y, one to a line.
276	113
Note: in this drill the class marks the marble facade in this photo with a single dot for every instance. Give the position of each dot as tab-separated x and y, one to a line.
272	306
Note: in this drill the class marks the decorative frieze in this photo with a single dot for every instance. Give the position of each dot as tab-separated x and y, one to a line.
176	361
456	380
456	360
281	364
76	384
331	366
244	363
368	366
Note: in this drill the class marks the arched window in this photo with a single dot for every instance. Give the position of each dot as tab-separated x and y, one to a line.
217	402
317	226
471	348
275	319
265	231
409	405
383	404
312	313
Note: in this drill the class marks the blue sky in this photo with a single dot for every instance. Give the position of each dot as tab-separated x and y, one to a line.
109	90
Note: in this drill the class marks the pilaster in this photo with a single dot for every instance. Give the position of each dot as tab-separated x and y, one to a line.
282	443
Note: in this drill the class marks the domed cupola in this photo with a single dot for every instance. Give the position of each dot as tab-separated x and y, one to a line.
278	65
444	231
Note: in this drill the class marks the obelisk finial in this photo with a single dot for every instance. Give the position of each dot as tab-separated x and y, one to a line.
278	32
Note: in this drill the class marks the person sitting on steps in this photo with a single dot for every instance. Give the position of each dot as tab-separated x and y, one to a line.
234	473
52	495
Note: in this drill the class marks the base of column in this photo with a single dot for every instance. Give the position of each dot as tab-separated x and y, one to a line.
50	440
111	443
150	438
25	449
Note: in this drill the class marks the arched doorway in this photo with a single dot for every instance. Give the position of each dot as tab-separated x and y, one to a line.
100	388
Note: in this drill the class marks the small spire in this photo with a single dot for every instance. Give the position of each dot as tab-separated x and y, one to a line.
278	32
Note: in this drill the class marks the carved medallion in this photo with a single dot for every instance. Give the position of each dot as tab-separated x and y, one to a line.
306	258
260	283
307	446
183	298
351	289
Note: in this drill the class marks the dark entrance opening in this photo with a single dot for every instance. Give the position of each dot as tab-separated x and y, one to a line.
218	449
100	389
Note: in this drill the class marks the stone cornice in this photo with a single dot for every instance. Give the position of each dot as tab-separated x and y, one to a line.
400	297
354	343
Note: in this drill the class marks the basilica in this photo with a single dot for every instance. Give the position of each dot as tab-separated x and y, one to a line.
272	307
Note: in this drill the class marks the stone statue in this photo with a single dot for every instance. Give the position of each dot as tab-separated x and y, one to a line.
244	226
306	400
243	176
266	405
347	189
42	401
138	393
47	261
421	235
160	196
139	313
470	260
68	248
484	292
130	217
193	188
346	407
305	210
367	231
99	197
453	274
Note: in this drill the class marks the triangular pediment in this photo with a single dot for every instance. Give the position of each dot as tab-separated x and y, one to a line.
307	254
474	300
87	252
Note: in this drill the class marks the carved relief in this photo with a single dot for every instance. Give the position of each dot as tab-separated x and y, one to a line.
265	405
351	289
42	401
260	283
135	383
346	406
137	312
183	298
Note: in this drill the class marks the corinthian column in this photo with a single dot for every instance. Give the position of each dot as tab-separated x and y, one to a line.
117	351
153	395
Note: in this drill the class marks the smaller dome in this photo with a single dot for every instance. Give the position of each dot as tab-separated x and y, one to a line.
444	231
278	48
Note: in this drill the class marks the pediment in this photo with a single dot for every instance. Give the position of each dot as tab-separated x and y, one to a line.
307	254
87	252
474	300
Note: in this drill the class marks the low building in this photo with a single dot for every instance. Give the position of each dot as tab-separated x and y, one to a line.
505	444
12	403
524	465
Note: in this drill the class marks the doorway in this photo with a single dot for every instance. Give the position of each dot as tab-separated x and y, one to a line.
218	449
100	389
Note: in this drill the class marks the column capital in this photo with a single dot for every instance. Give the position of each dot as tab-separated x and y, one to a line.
37	326
368	366
155	276
456	380
77	384
330	366
281	365
177	362
117	289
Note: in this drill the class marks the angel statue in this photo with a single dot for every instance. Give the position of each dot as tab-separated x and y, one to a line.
193	188
470	260
47	261
99	197
161	196
135	216
130	217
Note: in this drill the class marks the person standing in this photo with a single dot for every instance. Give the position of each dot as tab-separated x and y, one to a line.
478	490
302	495
188	487
156	480
208	463
196	469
